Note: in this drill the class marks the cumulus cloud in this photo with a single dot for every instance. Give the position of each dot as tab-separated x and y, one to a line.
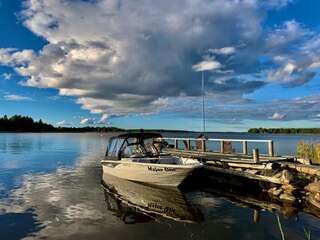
87	121
277	4
206	65
7	76
301	108
63	123
104	119
289	33
15	97
295	51
278	116
127	57
223	51
142	57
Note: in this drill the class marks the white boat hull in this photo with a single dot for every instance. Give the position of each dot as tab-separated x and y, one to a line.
157	174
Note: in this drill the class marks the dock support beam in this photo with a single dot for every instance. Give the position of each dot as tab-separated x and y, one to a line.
176	145
203	145
189	144
270	148
255	154
221	146
245	147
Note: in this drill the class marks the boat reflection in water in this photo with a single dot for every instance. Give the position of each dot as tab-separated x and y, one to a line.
136	203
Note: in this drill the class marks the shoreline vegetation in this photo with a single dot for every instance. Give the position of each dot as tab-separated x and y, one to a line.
18	123
285	130
309	152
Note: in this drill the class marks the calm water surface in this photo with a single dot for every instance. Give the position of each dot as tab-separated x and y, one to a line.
50	188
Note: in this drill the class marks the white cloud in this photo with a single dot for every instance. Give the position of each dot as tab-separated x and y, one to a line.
127	57
15	97
315	65
284	74
223	51
7	76
61	123
288	33
278	116
87	121
277	3
104	119
206	65
133	64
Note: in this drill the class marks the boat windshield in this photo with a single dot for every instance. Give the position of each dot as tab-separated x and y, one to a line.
149	147
132	147
144	148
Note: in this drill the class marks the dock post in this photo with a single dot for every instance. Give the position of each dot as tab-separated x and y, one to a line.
176	146
221	147
270	148
255	153
203	145
189	144
245	147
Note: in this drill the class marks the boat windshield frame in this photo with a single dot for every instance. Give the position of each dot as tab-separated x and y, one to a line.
114	150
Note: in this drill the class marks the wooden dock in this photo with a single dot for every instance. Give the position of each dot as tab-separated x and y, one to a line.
199	148
283	177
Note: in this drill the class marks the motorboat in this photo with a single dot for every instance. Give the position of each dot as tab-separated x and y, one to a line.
135	202
139	157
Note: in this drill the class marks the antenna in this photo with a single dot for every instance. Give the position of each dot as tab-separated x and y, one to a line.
203	107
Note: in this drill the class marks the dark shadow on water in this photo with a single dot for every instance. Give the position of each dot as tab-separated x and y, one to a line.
18	225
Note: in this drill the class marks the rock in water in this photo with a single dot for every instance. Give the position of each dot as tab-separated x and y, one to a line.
287	197
286	177
313	187
288	188
275	191
317	197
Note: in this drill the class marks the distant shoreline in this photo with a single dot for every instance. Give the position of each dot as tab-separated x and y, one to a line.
285	130
23	124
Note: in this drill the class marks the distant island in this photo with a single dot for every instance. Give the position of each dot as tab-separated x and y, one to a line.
285	130
18	123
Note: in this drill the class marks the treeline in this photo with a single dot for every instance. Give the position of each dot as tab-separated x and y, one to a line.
285	130
18	123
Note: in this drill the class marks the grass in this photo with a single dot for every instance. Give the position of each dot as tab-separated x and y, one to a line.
309	151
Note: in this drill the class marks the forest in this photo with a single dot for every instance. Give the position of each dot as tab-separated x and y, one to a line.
18	123
285	130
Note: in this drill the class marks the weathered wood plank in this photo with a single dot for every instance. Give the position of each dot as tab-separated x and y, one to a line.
244	174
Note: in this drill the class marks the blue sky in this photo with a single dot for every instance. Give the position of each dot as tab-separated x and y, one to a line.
137	64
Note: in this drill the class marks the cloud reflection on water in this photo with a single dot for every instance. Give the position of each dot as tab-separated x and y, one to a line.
68	202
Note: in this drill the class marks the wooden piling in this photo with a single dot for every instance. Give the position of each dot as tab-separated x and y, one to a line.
245	147
203	145
189	144
176	145
221	146
255	153
270	148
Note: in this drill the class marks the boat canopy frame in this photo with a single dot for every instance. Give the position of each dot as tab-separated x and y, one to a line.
119	143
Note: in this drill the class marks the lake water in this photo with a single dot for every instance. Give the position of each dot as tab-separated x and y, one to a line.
50	188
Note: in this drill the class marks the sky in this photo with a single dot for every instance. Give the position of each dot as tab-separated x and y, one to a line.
138	64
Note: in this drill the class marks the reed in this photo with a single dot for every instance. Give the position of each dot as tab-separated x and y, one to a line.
309	151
